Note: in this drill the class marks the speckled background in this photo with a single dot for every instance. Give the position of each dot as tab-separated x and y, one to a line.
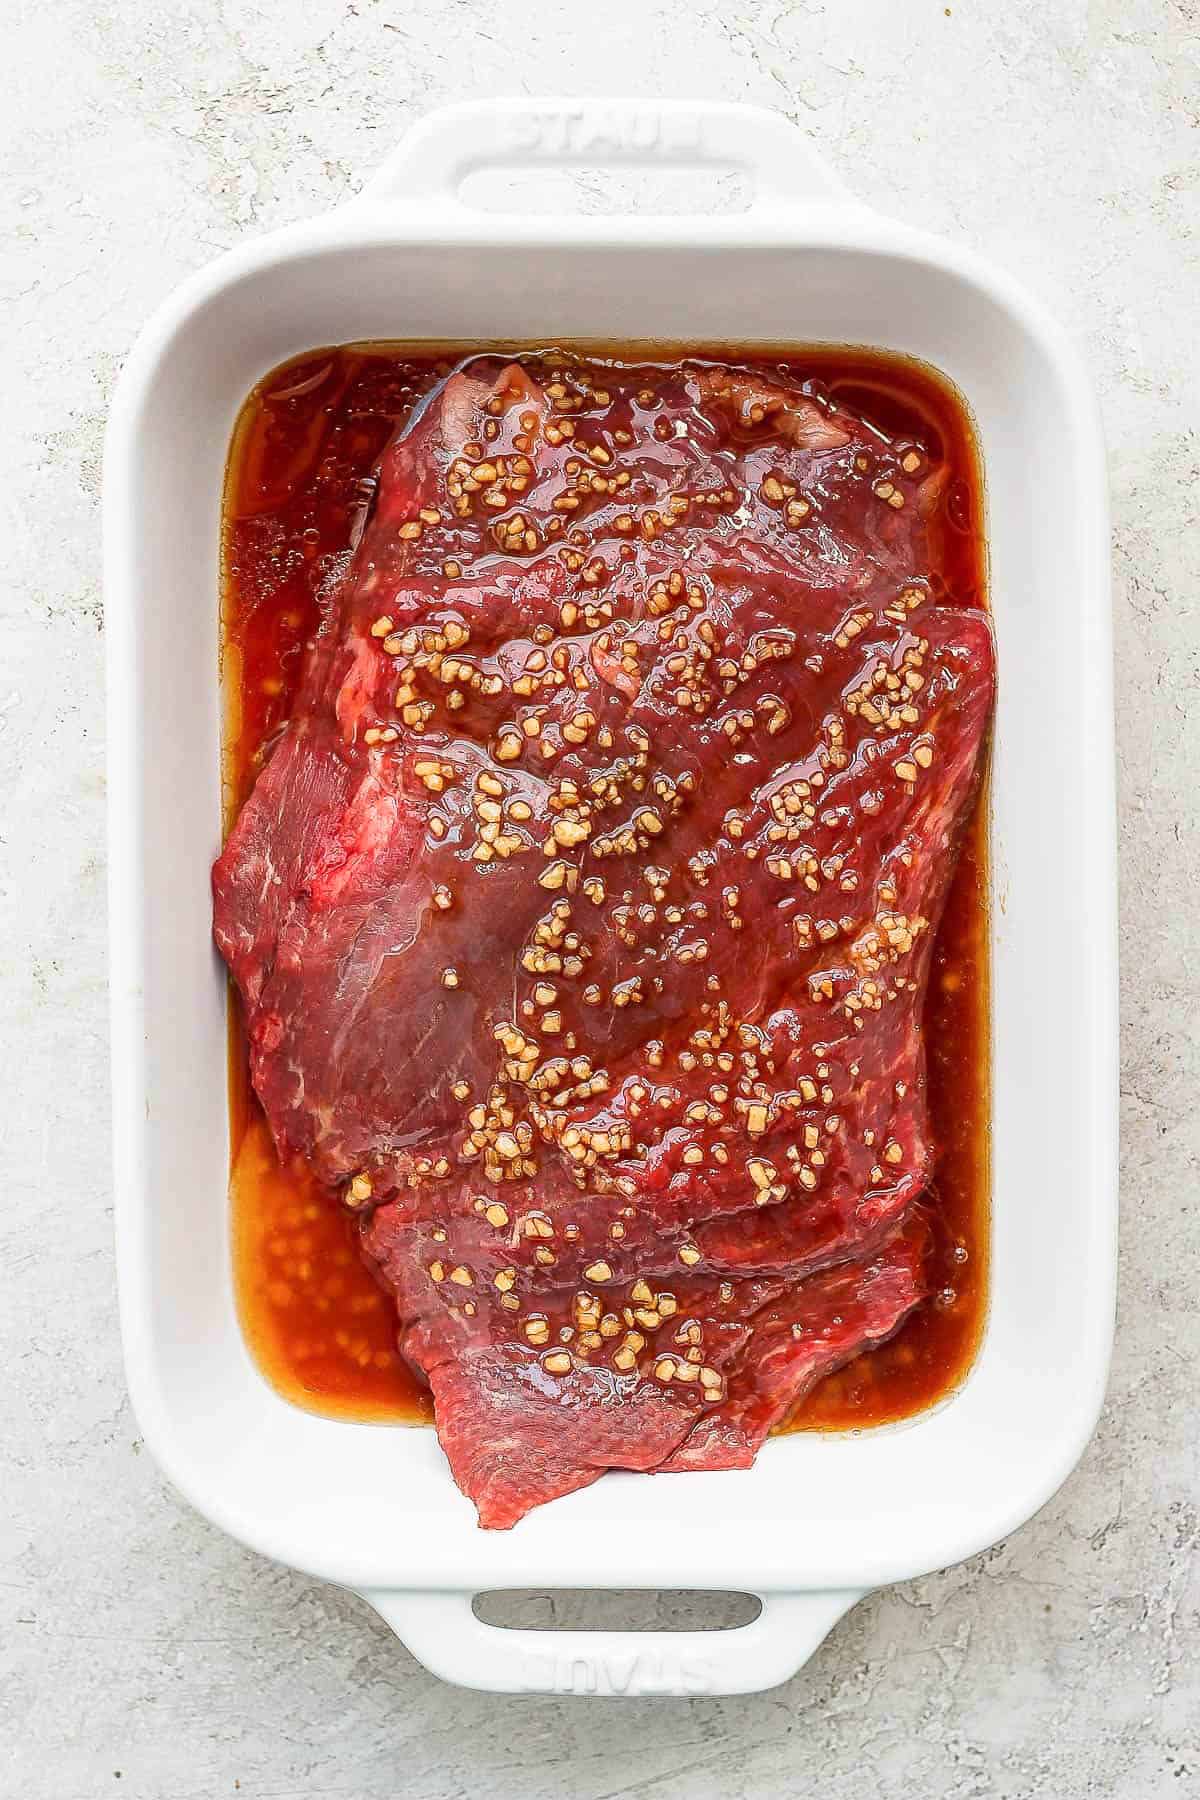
147	1656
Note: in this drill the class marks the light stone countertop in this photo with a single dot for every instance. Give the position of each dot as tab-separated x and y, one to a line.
145	1655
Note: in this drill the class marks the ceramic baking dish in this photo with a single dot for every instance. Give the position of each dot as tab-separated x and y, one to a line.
820	1519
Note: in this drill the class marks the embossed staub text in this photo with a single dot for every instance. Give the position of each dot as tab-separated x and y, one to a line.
628	132
632	1673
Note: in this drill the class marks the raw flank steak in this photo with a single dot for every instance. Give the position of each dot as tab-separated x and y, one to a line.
583	912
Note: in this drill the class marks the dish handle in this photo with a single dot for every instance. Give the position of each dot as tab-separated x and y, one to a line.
425	171
443	1633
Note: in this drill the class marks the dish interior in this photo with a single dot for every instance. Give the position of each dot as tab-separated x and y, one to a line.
305	444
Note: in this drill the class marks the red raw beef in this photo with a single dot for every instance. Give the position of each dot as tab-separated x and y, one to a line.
583	912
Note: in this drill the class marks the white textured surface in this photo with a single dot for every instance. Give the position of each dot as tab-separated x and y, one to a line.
140	140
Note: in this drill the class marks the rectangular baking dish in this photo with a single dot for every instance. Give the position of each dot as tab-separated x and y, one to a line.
820	1519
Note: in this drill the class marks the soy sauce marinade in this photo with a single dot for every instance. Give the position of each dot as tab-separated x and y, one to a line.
299	480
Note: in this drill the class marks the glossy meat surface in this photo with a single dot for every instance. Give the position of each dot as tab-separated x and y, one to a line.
583	912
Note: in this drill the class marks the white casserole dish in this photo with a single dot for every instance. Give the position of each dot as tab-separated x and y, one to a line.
820	1519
